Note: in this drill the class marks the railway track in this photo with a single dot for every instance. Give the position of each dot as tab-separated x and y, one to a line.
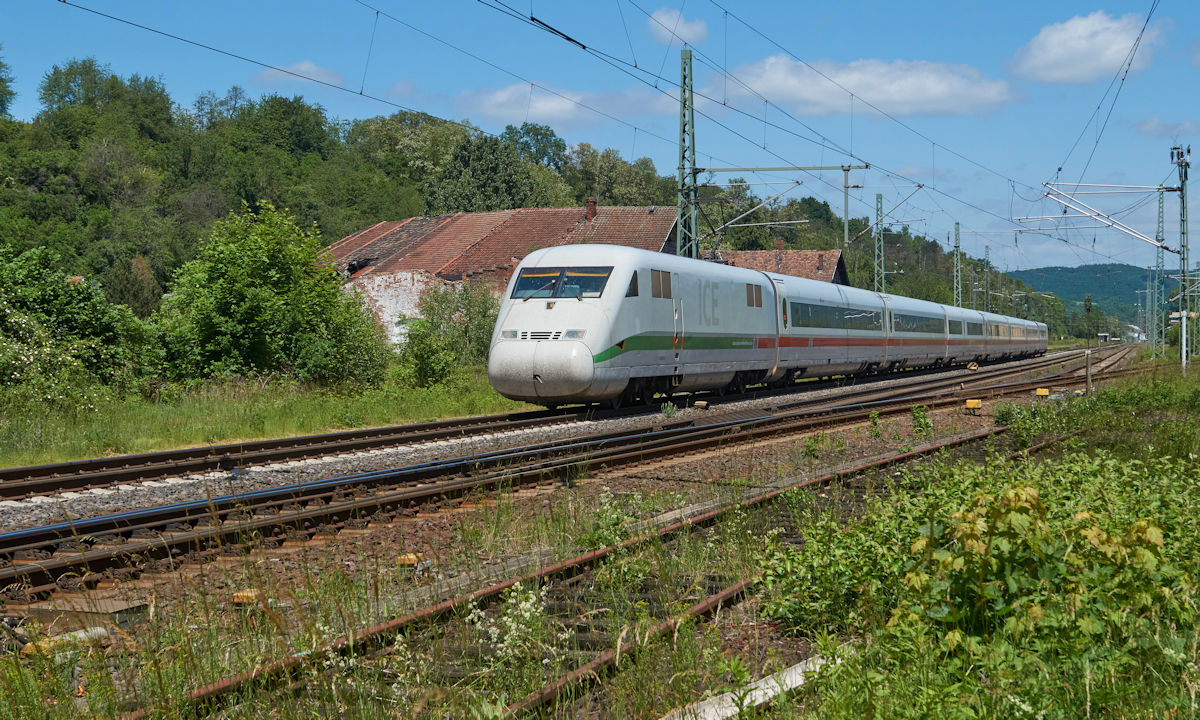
600	638
48	479
34	559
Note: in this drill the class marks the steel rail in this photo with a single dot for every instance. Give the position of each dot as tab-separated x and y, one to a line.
210	524
48	478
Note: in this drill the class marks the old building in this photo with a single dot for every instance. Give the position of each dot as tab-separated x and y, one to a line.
825	265
393	262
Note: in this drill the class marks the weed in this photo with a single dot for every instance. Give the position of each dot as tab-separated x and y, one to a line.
922	423
669	409
873	428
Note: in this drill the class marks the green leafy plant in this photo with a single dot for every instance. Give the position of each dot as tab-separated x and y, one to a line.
873	428
922	423
668	409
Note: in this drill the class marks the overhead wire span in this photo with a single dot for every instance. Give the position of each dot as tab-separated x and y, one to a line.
268	66
832	145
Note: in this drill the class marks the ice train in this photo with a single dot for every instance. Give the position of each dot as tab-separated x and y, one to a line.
611	324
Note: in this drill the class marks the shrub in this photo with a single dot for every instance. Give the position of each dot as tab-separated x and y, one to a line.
454	330
261	298
62	343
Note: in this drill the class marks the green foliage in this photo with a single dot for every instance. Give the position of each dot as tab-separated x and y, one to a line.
454	330
261	299
6	92
59	337
921	422
1009	589
485	173
668	409
873	428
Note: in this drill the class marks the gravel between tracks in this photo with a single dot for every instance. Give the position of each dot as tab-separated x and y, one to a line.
99	501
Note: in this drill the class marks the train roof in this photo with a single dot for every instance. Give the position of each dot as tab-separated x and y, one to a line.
618	255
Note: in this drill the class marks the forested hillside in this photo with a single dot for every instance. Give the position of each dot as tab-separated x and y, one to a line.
1114	287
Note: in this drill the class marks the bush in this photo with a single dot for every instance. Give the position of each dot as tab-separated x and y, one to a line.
62	343
454	330
261	298
1005	590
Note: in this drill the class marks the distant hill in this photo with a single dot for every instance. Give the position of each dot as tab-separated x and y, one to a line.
1113	286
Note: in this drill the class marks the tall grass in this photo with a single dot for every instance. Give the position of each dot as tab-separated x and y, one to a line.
235	410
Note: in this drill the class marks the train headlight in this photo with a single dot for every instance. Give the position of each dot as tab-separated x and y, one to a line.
508	334
574	334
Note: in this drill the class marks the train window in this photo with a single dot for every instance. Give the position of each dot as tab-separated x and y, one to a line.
817	316
975	328
572	282
633	289
958	327
918	323
861	319
753	295
660	283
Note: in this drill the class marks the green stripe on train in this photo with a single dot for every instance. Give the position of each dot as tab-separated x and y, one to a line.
667	342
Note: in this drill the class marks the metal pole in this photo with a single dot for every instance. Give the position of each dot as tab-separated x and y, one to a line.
879	278
845	208
686	242
1089	371
1182	162
957	269
1158	299
987	279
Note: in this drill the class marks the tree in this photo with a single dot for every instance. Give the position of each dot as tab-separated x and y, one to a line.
261	298
537	144
484	174
6	92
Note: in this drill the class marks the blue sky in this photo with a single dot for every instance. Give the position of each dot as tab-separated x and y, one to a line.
985	99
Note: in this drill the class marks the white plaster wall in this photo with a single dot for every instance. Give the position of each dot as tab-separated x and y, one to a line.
392	295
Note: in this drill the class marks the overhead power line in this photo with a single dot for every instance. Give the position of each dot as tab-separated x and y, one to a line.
269	66
627	68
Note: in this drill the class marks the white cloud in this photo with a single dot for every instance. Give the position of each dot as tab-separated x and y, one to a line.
1085	48
900	87
667	25
1170	131
305	68
514	105
403	88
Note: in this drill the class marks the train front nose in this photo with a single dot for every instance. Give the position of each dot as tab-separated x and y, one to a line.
541	370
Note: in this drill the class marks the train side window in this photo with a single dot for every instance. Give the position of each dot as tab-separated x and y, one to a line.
753	295
783	308
633	288
660	283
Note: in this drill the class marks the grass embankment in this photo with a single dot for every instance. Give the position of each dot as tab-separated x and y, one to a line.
1060	587
235	410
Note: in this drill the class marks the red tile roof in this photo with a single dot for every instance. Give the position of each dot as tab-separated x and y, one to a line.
487	245
643	227
812	264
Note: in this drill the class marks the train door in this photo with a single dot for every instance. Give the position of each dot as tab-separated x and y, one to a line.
780	323
886	320
680	327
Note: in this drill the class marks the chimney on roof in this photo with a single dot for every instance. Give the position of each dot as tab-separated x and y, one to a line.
590	204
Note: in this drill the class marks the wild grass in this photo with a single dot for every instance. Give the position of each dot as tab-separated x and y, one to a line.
236	410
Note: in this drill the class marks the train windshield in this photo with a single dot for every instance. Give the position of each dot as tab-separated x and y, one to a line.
561	282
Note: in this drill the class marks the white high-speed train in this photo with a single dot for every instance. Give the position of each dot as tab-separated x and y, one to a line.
605	323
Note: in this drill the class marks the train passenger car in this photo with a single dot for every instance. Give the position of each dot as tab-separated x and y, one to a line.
590	323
